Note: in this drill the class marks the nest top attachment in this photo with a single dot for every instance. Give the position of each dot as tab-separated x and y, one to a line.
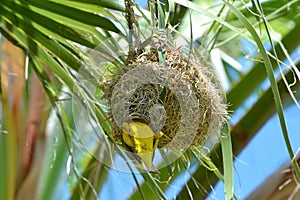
177	96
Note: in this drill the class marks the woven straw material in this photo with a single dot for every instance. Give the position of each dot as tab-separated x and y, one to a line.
181	98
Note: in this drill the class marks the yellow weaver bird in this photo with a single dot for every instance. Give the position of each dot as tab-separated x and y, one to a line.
140	139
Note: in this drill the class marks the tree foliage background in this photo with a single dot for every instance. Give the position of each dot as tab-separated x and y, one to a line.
253	46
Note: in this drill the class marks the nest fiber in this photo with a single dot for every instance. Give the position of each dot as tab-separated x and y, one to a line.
179	97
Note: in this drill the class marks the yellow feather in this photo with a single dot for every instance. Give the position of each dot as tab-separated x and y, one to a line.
139	137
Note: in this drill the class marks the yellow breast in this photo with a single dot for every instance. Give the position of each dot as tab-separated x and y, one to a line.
140	139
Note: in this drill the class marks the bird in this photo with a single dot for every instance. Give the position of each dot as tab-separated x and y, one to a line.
139	138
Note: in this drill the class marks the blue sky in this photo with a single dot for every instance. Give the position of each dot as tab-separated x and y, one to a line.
264	154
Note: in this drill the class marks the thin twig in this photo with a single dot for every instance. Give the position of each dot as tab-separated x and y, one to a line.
134	47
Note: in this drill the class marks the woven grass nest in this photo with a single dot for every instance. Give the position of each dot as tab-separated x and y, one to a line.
179	97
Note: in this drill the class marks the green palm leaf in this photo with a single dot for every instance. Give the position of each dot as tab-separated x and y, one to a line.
57	37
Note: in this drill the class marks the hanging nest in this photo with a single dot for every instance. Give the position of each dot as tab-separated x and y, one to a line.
179	97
